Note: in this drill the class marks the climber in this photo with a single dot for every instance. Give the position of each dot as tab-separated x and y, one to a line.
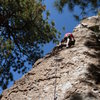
68	40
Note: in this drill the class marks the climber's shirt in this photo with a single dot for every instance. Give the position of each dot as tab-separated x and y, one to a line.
70	36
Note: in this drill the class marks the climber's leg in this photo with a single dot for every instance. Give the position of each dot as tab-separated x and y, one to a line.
67	43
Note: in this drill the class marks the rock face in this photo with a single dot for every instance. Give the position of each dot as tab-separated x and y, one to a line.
70	74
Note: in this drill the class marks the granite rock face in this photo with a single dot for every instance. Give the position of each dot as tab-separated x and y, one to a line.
70	74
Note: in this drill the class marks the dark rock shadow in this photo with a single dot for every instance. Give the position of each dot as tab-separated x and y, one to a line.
76	96
94	73
94	68
83	96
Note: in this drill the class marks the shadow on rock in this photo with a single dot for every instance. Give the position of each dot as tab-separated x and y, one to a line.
76	96
94	68
94	73
83	96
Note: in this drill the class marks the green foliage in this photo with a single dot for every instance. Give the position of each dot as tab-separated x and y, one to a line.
22	31
53	23
84	5
48	13
98	12
63	28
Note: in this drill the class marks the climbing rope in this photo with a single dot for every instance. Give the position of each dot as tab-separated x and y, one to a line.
55	81
55	85
57	59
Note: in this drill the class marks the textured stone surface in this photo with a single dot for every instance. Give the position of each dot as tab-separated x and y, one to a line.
71	74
